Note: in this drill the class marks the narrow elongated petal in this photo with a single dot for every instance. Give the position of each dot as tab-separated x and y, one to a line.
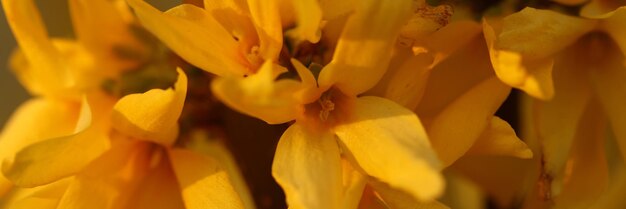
45	197
499	138
462	121
32	37
354	183
586	177
201	143
25	127
204	184
389	143
195	35
99	25
615	26
365	47
308	167
557	119
153	115
259	95
608	81
309	18
532	76
266	17
408	84
159	189
63	156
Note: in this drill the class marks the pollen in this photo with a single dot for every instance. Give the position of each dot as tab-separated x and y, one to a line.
326	105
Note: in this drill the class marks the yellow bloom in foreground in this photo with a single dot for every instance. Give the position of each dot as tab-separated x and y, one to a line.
575	66
102	152
377	137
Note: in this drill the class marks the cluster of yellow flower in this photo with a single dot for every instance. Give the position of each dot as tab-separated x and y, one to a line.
390	104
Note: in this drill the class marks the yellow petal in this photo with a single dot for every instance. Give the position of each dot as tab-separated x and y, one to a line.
60	157
600	9
406	87
532	76
334	9
501	178
266	17
309	18
153	115
46	196
536	33
354	183
464	119
400	200
25	127
32	37
614	25
202	143
180	29
99	25
557	119
450	78
307	165
499	138
395	150
586	172
608	81
203	182
111	179
259	95
365	47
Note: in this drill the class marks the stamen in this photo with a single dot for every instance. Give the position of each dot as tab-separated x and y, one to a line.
327	106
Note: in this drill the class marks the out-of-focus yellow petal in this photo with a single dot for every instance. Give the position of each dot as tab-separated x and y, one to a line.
153	115
60	157
462	121
111	180
536	33
201	143
266	17
307	165
32	37
450	78
532	76
502	178
400	200
446	40
608	80
195	35
259	95
557	119
600	8
389	143
499	138
461	193
203	182
45	197
406	87
26	127
99	25
354	183
586	172
365	47
309	18
615	26
159	189
334	9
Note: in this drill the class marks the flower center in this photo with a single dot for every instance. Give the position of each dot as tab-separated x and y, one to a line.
329	109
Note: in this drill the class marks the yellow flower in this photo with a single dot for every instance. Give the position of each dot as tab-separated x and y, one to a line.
378	137
575	67
102	152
